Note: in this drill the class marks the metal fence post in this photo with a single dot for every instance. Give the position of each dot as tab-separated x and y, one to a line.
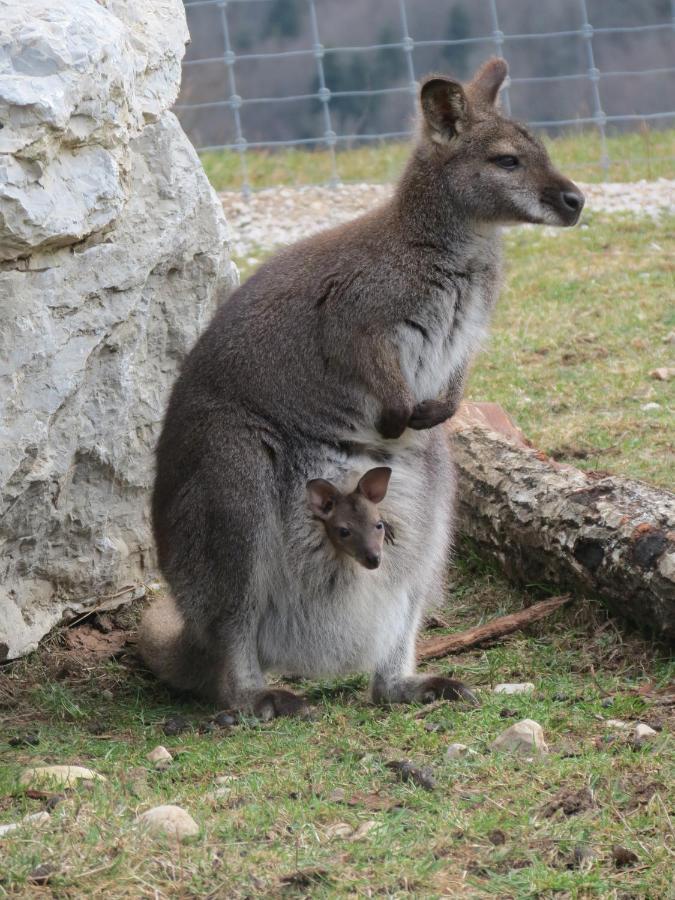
408	45
235	100
594	77
498	38
329	135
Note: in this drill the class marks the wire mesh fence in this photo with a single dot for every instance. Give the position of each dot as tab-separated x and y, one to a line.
268	76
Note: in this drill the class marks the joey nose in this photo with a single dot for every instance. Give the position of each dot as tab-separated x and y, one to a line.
372	560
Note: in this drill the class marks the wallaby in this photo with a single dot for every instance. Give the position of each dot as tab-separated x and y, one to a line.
352	521
340	353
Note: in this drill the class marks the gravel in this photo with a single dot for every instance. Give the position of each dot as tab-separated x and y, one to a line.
274	217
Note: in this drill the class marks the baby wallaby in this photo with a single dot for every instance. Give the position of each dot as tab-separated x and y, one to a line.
352	521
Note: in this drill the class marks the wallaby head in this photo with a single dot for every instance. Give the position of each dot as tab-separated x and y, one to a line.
352	521
492	168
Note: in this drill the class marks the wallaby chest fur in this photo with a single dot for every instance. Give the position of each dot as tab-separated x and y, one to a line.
339	354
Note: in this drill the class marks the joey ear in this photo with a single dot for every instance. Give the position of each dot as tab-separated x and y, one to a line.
373	485
485	84
322	497
444	107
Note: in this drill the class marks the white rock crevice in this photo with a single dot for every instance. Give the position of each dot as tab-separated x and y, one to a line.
113	256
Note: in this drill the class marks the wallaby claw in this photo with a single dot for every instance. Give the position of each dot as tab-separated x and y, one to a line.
277	702
430	413
438	687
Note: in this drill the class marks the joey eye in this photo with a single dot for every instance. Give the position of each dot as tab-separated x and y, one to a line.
506	162
344	532
379	526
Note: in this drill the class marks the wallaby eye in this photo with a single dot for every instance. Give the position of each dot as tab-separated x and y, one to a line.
344	532
506	162
380	526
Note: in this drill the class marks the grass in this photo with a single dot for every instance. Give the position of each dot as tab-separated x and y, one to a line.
483	832
641	154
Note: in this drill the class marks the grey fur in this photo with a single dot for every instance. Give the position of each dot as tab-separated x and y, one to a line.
340	353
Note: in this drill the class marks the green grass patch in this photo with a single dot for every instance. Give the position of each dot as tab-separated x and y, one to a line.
485	831
644	153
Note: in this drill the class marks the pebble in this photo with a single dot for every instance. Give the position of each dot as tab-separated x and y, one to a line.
160	757
583	857
525	687
649	407
170	820
175	725
42	873
60	776
24	740
663	374
278	216
617	723
524	737
35	820
459	751
643	734
224	719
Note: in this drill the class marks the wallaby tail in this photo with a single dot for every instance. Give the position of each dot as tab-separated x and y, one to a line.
172	653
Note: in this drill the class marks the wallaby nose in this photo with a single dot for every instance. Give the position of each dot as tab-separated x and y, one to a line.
372	560
572	201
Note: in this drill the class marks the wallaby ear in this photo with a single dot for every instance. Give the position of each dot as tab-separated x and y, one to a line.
373	485
322	497
485	84
444	107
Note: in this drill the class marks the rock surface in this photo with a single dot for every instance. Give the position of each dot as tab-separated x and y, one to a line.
113	256
58	776
525	737
525	687
458	751
171	820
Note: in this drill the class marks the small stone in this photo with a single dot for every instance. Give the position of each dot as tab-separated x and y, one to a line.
42	873
108	695
506	713
224	719
623	857
365	828
607	702
561	697
459	751
497	837
423	777
24	740
225	779
170	820
650	407
617	723
337	795
339	830
61	776
663	374
433	727
175	725
525	737
525	687
643	734
582	857
160	757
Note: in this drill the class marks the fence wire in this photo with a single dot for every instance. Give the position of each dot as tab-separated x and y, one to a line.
497	42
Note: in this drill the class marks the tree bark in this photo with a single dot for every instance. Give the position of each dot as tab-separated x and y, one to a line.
546	523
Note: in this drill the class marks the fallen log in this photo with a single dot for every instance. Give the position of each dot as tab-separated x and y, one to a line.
432	648
596	535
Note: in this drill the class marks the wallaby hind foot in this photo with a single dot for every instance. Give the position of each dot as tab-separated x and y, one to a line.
276	702
422	689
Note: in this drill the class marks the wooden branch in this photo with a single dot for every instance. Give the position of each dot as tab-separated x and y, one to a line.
432	648
595	535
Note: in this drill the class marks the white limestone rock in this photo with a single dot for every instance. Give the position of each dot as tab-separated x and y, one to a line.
116	255
525	737
170	820
525	687
58	776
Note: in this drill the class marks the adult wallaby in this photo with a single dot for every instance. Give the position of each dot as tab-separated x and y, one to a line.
340	353
352	521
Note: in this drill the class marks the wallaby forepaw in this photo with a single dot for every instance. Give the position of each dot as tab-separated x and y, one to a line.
430	413
438	687
393	422
277	702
